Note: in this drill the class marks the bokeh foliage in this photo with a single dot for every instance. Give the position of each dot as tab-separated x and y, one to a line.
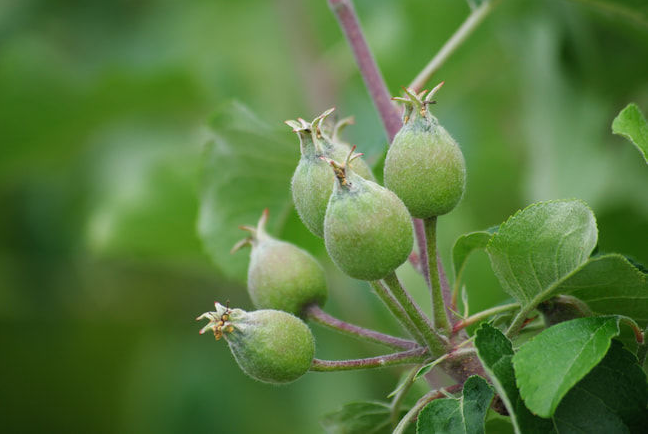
104	108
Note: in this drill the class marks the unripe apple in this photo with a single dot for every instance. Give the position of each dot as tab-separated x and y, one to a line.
424	165
269	345
281	275
367	229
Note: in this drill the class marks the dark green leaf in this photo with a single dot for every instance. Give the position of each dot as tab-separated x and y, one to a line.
497	423
247	167
539	245
638	265
611	398
548	366
463	415
359	418
631	124
495	351
609	284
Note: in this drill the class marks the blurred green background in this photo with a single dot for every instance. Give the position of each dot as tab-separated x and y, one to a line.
104	113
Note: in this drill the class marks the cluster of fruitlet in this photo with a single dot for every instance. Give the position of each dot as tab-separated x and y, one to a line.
367	230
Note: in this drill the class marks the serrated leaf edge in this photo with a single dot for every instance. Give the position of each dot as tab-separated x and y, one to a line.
534	301
535	204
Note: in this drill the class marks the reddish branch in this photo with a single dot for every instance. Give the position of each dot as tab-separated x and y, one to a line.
316	314
416	355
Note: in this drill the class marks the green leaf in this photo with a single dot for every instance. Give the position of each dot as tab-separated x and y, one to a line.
495	352
539	245
631	124
497	423
609	284
548	365
247	167
466	244
359	418
463	415
610	399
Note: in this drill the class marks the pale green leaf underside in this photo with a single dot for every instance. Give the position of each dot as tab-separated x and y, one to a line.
360	418
463	415
247	167
551	363
631	124
539	245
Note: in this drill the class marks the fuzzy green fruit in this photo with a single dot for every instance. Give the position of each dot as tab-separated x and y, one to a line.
312	182
269	345
282	276
367	229
424	165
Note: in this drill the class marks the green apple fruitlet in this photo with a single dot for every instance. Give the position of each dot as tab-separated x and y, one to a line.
367	229
424	165
312	182
281	275
269	345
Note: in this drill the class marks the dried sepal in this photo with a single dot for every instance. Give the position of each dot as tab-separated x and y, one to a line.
416	103
340	169
218	321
